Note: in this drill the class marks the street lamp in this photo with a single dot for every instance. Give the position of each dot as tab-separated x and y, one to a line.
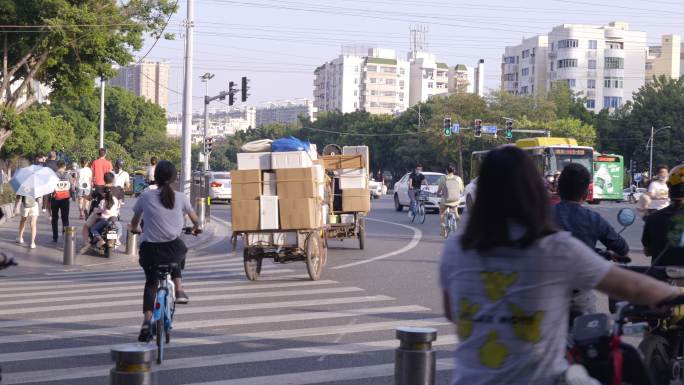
205	79
650	142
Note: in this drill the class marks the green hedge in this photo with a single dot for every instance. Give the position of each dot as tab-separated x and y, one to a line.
7	196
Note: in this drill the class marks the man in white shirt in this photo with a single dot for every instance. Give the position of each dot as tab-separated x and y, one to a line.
658	191
121	177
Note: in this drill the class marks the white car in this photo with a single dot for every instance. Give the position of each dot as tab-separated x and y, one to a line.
377	189
401	198
220	186
469	195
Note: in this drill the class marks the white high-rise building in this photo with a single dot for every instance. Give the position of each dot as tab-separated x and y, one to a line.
428	77
149	79
604	64
287	112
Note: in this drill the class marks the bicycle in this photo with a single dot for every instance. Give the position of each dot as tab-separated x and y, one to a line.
450	221
164	305
417	208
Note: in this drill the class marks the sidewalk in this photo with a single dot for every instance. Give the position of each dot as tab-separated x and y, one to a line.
48	256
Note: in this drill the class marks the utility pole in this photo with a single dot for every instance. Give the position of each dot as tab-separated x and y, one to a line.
102	97
186	153
459	144
205	78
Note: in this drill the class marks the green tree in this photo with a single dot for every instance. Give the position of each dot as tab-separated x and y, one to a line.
68	43
87	147
158	145
585	134
37	130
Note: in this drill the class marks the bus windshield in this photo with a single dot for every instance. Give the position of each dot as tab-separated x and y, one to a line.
564	156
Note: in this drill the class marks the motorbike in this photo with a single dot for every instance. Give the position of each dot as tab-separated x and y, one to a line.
110	235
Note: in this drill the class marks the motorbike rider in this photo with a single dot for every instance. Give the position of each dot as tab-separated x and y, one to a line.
96	198
584	224
663	236
450	189
109	207
506	279
415	181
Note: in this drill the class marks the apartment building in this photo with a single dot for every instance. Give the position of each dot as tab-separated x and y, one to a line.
287	112
665	59
465	79
148	79
605	64
428	77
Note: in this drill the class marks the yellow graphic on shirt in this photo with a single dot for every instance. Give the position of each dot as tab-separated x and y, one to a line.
496	283
466	312
526	327
493	353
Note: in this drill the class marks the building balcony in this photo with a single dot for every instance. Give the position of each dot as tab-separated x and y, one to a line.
614	53
510	68
591	93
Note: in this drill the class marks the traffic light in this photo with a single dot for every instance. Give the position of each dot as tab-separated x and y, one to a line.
447	126
509	129
231	93
208	144
478	128
244	88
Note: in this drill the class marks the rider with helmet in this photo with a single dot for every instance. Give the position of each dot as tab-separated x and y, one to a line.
663	236
450	189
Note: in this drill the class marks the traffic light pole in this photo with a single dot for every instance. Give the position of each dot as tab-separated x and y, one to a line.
206	126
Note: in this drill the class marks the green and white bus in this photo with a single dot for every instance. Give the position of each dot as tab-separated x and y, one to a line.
609	177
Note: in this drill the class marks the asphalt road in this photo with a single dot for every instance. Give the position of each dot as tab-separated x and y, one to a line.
57	327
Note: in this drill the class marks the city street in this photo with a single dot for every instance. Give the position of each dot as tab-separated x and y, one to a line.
57	327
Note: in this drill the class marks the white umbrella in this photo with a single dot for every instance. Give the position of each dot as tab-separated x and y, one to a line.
34	181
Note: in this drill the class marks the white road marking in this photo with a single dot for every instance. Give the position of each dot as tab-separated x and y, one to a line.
415	240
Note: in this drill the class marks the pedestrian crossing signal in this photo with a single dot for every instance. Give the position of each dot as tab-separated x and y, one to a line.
447	126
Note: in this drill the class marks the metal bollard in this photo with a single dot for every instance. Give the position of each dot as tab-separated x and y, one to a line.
415	360
131	244
207	216
133	365
69	245
200	210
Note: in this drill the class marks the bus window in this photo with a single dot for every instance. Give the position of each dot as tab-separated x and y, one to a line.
564	156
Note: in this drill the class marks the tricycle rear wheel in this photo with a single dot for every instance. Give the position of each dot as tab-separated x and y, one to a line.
362	233
314	261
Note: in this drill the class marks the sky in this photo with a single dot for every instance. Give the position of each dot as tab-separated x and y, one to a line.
277	44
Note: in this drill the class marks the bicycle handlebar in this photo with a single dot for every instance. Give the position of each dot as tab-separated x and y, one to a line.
191	231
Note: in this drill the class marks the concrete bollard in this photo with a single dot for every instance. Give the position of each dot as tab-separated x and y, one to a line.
69	245
133	365
200	208
207	216
415	360
131	244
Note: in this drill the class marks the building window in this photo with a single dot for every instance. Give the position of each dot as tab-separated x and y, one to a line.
552	66
613	82
568	43
430	85
615	63
390	81
373	80
591	84
510	77
649	65
525	72
389	93
389	70
509	60
593	44
372	68
612	102
523	90
525	53
591	103
592	64
571	82
402	71
567	63
615	45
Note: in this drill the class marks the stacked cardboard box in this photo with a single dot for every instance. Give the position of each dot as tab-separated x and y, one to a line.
352	170
279	190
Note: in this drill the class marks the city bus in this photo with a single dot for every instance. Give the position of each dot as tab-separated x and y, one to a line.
550	155
609	177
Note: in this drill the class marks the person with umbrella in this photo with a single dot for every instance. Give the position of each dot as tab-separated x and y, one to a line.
30	183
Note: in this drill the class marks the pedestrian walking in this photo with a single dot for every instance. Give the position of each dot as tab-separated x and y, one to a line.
84	187
658	191
60	200
73	172
150	170
51	163
100	167
29	213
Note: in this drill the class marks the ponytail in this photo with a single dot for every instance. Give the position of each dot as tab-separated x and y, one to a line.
108	198
164	175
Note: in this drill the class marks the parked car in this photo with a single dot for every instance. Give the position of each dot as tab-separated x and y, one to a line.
401	198
637	194
377	189
220	186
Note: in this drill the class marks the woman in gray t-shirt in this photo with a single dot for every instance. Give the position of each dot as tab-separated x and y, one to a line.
163	211
507	280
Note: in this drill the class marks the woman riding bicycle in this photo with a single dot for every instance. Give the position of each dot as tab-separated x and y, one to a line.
450	189
163	211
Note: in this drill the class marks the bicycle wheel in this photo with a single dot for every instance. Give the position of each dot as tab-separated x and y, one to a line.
421	213
314	264
160	340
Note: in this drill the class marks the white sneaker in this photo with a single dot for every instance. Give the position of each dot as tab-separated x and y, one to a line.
33	246
20	240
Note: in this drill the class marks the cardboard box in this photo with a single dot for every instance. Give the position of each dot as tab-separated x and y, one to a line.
291	159
356	200
246	184
337	162
269	184
358	150
254	161
268	212
353	179
300	214
297	183
245	215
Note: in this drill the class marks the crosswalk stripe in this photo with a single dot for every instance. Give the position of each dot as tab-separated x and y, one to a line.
224	339
138	273
204	298
217	360
51	296
324	376
204	324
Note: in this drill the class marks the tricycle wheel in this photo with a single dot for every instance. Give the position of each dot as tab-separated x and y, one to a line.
314	262
362	234
323	248
233	240
252	264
